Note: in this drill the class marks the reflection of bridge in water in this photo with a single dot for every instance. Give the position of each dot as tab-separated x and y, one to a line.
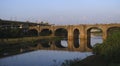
55	45
75	31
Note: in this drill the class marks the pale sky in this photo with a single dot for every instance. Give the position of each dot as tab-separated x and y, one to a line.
61	11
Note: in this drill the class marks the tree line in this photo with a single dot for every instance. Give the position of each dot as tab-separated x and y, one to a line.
15	33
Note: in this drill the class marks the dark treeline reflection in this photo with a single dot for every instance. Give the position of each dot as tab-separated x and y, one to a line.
8	49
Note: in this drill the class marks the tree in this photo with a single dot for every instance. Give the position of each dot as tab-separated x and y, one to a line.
110	48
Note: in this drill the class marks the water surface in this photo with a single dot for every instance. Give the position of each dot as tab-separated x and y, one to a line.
42	58
47	57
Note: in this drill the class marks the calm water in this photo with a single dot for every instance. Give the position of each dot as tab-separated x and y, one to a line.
46	57
42	58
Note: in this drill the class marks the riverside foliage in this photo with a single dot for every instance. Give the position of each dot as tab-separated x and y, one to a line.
110	48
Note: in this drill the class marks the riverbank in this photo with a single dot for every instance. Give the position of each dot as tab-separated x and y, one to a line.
93	60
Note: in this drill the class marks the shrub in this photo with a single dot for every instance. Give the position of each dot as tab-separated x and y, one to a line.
110	48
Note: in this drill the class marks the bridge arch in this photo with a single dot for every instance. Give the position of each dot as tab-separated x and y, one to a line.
76	34
61	32
113	29
45	32
93	35
33	32
59	44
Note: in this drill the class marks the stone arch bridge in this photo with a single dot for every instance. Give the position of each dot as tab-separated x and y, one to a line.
83	29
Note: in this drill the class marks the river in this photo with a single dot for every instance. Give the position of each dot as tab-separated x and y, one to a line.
46	57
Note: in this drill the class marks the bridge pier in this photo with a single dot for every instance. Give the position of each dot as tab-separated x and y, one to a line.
104	35
82	38
53	33
70	38
53	46
86	40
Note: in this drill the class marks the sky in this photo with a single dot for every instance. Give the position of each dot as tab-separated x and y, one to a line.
61	12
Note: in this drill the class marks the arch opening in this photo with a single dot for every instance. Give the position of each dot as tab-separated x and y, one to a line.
76	38
61	32
45	32
61	44
94	36
32	32
112	30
